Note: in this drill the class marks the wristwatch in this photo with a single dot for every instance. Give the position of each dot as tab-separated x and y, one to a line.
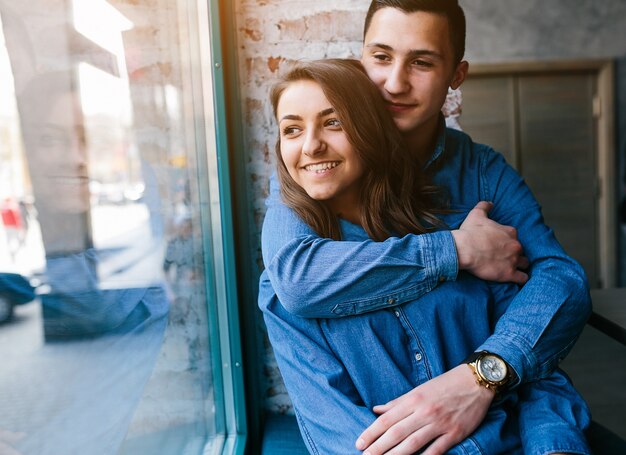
489	369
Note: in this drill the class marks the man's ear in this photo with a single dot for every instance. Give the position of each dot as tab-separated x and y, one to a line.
460	73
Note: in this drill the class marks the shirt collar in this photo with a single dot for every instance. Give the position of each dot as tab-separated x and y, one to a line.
440	145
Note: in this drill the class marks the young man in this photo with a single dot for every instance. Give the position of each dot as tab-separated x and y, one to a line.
413	51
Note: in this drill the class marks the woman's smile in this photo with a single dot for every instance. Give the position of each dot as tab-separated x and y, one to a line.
321	168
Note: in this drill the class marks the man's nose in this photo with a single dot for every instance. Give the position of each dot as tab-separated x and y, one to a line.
313	143
78	152
397	81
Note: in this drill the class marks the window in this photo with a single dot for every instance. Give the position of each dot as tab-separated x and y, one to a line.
116	275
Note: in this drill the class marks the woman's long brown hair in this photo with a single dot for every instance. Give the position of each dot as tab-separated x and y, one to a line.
395	198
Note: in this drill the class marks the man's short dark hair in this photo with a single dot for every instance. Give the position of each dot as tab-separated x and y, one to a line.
450	9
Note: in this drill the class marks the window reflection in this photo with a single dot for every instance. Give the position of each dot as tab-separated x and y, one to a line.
108	349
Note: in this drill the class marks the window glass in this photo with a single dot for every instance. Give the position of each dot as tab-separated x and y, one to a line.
105	340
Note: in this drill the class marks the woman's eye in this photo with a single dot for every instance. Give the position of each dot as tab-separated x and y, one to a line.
333	122
289	130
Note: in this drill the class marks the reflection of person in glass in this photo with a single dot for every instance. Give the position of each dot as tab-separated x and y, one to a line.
102	339
179	263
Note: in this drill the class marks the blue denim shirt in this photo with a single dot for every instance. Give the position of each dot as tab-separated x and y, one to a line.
337	369
315	277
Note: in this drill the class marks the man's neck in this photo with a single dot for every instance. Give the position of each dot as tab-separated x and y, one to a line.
422	140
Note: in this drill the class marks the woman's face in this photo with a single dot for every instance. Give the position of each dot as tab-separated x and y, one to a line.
316	150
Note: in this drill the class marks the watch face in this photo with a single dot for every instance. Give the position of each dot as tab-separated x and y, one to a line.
492	368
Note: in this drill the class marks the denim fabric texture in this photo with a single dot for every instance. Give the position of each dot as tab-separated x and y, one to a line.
336	370
357	323
315	277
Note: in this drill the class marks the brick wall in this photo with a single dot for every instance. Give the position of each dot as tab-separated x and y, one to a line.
271	34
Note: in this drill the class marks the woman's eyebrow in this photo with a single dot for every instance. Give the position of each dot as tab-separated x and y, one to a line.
290	117
323	113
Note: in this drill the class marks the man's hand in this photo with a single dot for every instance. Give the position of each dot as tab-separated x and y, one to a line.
444	411
489	250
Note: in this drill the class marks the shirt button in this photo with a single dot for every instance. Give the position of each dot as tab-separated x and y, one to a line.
418	356
442	279
397	313
390	301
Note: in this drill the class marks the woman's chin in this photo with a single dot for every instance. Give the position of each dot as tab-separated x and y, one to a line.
320	195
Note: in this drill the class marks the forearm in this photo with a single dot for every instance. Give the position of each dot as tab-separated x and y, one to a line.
545	318
322	278
542	322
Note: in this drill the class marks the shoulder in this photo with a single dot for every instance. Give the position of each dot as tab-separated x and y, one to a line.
462	141
470	151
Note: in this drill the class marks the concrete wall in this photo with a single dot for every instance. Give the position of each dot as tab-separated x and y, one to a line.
273	32
507	30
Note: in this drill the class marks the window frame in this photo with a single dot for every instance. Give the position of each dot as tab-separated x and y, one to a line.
217	217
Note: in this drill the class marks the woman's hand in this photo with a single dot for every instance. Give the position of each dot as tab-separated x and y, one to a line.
444	411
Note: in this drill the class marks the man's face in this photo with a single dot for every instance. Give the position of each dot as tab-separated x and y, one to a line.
55	147
411	60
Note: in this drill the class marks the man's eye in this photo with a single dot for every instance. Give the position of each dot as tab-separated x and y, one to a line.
423	63
381	57
52	140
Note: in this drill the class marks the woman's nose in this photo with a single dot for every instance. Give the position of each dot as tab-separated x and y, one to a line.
313	143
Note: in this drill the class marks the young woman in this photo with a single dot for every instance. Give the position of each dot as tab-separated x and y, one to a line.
343	168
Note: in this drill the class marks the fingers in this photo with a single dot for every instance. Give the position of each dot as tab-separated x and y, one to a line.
441	445
381	426
374	431
484	206
398	440
412	443
519	277
403	438
382	408
523	263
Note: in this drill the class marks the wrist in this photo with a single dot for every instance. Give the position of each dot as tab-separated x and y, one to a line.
460	239
490	370
473	384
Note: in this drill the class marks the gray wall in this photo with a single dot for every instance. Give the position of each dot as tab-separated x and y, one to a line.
508	30
512	30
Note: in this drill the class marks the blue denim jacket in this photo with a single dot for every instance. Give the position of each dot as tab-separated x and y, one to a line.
315	277
336	370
